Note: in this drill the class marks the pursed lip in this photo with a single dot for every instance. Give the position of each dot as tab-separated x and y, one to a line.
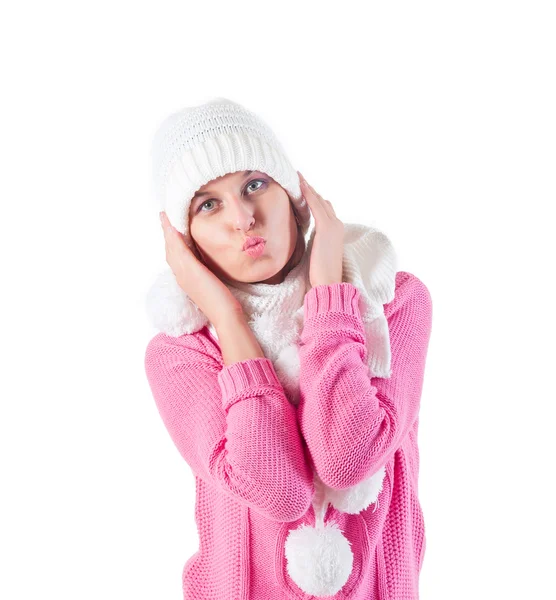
252	241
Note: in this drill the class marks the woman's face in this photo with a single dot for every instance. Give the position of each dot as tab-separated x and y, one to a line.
220	220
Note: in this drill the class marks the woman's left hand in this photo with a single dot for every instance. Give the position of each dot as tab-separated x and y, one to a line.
328	243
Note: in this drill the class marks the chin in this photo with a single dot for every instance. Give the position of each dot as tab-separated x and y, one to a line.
260	275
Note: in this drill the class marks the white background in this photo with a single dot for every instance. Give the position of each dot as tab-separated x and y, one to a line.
433	121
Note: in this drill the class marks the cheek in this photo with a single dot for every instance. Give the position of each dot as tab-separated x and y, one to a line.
280	214
212	241
199	237
199	231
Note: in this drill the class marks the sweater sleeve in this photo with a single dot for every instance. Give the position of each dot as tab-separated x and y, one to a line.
353	423
232	424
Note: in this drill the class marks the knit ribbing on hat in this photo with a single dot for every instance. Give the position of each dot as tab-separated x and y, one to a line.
199	144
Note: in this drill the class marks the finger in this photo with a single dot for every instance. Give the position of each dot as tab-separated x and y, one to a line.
309	188
326	204
169	230
316	205
317	195
163	221
330	208
313	189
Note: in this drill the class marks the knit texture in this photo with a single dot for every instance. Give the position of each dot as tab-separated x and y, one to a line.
319	559
252	451
200	143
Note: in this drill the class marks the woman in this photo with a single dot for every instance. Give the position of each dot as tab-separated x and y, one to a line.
287	373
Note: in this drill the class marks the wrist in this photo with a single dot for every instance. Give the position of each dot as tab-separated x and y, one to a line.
231	318
329	282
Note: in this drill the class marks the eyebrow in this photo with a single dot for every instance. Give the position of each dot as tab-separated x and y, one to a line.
199	194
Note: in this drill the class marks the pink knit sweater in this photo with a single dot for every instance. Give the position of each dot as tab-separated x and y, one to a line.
251	451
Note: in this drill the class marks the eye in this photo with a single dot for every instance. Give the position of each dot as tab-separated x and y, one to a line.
255	181
201	205
262	181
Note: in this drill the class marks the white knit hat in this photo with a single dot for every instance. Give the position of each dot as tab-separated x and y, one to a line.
197	144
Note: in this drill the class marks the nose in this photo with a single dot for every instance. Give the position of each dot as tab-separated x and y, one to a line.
242	214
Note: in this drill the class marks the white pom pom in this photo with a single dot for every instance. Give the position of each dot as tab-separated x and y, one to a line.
170	309
319	560
358	497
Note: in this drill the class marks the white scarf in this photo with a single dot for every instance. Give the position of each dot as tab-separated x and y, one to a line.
275	314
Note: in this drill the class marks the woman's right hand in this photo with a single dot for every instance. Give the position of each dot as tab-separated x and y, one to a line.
204	288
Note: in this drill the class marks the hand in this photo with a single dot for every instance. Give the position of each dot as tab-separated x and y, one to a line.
204	288
328	243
